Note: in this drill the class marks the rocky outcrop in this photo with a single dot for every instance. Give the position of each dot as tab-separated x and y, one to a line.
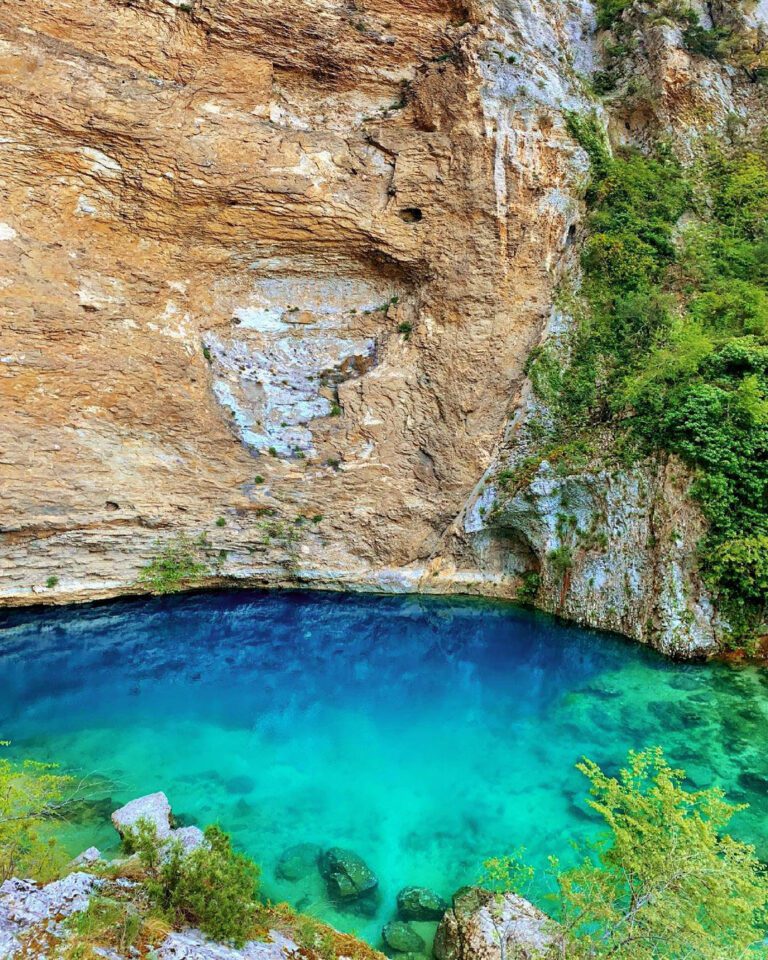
29	911
486	926
272	276
155	811
33	916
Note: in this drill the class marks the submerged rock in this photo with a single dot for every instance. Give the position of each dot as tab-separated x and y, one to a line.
298	861
154	808
346	874
485	926
401	937
420	903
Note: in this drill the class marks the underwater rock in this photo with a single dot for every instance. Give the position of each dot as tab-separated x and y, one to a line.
401	936
420	903
298	861
485	926
154	808
346	874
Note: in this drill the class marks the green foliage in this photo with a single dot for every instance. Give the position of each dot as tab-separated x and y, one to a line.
610	10
528	591
587	130
258	479
104	921
180	561
673	352
51	582
664	882
33	796
221	522
705	43
405	329
213	887
507	873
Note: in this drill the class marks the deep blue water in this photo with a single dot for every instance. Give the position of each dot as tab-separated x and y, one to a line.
425	733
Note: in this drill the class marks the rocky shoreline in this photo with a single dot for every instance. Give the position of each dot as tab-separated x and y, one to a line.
35	919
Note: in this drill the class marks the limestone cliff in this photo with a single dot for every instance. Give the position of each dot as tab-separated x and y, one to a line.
271	272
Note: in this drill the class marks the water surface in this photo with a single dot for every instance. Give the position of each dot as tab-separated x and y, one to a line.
425	733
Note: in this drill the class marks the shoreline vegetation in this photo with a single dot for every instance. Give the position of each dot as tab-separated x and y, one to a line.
662	880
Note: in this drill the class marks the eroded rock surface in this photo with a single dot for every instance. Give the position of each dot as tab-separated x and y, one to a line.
271	273
487	926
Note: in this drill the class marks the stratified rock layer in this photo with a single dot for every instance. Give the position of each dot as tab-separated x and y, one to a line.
271	273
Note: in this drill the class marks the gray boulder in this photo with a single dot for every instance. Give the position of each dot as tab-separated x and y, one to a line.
91	855
401	937
420	903
154	808
190	838
486	926
347	875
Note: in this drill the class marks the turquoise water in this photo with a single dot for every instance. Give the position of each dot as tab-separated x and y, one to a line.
424	733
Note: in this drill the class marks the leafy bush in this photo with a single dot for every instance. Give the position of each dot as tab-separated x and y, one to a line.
213	887
664	882
33	796
672	354
179	562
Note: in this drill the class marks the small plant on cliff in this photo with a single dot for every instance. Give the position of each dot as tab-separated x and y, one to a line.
213	887
51	582
180	561
33	796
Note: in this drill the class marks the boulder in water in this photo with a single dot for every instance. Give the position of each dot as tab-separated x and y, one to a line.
154	808
346	874
401	937
420	903
298	861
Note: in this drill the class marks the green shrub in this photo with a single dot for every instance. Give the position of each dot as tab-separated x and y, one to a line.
180	561
33	796
221	522
672	354
51	582
213	887
663	882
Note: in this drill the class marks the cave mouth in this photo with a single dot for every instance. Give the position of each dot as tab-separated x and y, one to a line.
411	215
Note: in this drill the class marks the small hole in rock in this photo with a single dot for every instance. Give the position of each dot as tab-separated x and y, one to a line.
112	505
411	214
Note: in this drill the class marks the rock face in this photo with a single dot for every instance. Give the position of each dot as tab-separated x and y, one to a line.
26	907
191	945
486	926
274	263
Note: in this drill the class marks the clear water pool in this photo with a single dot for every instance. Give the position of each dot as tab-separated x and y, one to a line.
424	733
